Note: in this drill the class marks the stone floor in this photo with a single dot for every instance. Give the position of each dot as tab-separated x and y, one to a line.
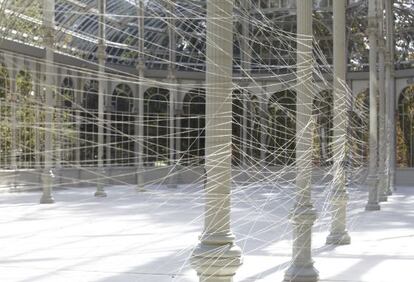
131	236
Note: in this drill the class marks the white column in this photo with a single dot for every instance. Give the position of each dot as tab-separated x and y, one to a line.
390	95
139	124
13	152
217	258
172	183
244	155
108	123
303	213
339	198
78	121
265	126
38	95
382	172
47	176
100	192
59	129
373	115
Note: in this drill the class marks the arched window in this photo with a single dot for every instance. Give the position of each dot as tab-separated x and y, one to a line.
67	93
5	129
122	126
282	128
90	95
405	128
89	124
237	127
322	111
359	122
67	122
26	118
156	120
193	127
122	99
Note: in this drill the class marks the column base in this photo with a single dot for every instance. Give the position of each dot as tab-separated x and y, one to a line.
338	239
382	189
300	273
172	178
100	194
47	178
140	183
216	262
373	191
215	278
47	199
372	207
302	218
140	189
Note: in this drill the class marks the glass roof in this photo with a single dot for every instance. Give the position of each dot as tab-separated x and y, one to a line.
271	31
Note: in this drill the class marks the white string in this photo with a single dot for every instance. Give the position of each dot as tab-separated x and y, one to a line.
264	134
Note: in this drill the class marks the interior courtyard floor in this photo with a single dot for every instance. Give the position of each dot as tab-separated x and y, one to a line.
149	236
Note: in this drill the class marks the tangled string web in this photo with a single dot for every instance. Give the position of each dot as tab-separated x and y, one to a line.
152	134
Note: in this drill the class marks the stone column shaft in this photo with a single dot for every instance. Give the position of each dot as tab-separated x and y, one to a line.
78	120
38	91
303	214
139	125
13	125
100	192
172	42
171	181
382	172
217	257
339	197
264	128
390	95
13	90
372	179
47	175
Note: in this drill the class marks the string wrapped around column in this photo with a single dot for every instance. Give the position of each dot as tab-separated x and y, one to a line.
339	197
303	214
47	175
217	257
